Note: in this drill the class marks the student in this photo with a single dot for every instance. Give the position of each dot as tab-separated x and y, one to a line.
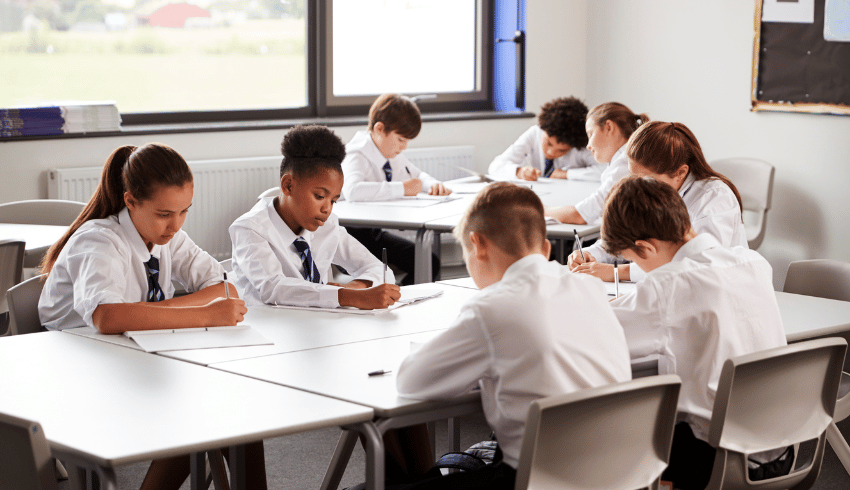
284	246
113	270
534	330
700	304
670	153
608	126
554	147
375	170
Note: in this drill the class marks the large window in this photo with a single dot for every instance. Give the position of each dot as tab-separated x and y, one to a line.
207	60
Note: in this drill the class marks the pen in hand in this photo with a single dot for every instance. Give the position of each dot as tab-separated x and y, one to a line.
578	242
226	287
384	257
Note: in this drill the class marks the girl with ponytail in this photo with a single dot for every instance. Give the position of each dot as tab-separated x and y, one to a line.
670	153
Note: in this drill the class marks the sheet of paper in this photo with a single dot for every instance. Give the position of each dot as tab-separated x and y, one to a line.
468	187
625	288
552	221
420	201
412	295
197	338
409	295
836	25
798	12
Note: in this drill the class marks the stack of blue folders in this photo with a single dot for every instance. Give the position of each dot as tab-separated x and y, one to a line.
59	118
31	121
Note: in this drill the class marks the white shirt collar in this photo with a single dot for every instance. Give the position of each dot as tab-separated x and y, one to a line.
696	245
686	185
364	143
137	244
619	154
286	233
519	265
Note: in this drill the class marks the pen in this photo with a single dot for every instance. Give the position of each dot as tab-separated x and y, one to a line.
408	171
379	372
616	280
226	287
578	242
384	256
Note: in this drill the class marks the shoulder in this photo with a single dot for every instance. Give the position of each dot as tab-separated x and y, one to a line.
97	231
360	140
713	194
257	218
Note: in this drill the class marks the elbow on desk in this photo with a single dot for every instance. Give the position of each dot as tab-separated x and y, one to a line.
107	319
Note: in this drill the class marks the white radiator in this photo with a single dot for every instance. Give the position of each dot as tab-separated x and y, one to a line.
227	188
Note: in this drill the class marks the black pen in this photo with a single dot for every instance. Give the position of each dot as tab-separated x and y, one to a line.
226	287
379	372
408	171
578	242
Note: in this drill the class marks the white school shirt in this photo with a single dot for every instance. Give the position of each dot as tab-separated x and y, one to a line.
540	331
527	151
104	263
590	208
708	304
712	208
363	169
268	268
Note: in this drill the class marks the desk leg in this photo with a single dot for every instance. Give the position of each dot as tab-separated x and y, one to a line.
339	460
198	471
424	245
375	471
432	437
559	256
108	480
454	434
237	467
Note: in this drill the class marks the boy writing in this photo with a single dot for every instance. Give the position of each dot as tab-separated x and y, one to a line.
699	305
535	330
553	148
375	170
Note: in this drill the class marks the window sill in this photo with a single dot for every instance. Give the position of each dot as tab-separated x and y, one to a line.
209	127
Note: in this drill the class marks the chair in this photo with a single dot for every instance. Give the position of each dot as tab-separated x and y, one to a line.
41	212
827	279
23	306
754	180
25	460
769	400
613	436
11	270
269	193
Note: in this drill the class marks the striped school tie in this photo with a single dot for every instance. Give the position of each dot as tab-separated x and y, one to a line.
154	291
310	272
388	171
550	167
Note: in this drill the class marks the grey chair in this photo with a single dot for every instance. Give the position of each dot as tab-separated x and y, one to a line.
827	279
55	212
11	270
25	460
754	180
23	306
617	436
769	400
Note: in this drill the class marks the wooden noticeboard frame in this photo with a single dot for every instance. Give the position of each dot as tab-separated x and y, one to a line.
797	68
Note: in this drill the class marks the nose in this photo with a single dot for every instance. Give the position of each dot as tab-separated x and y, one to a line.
175	223
327	207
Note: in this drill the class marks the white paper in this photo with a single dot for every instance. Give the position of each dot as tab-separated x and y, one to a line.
409	295
419	201
799	11
197	338
412	295
836	25
468	187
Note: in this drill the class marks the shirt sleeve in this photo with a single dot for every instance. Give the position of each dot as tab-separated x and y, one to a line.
261	268
361	185
719	216
640	314
518	154
192	267
358	261
590	208
450	364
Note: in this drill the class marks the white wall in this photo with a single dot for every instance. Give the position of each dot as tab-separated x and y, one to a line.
690	61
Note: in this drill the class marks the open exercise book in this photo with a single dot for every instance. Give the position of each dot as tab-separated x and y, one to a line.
409	295
197	338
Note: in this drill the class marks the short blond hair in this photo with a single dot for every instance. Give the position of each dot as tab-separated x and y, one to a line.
509	215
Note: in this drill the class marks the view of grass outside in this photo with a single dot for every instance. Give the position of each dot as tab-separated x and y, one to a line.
154	56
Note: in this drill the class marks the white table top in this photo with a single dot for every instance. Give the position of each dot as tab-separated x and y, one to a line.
38	237
151	407
381	216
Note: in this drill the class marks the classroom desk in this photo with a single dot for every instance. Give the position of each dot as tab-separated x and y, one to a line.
102	406
341	372
807	317
38	239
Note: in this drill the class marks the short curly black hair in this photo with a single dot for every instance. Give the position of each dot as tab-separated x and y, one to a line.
564	119
308	150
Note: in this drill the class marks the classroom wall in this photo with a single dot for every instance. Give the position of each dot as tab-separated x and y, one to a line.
690	61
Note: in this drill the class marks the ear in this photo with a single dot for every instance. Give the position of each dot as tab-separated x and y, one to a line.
286	183
479	245
547	248
610	127
647	248
379	127
681	172
130	201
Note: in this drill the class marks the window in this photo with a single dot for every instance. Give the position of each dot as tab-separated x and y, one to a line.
179	61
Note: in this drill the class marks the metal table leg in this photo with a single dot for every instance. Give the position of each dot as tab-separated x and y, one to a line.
422	266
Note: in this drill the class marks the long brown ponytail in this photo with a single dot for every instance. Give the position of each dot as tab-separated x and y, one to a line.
663	147
137	170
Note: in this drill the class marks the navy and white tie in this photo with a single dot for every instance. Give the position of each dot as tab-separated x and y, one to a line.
310	272
154	291
550	167
388	171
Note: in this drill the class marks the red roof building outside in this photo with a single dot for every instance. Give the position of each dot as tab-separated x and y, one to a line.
175	15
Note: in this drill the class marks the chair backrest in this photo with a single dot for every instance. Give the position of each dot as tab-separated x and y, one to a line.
754	180
227	264
614	436
11	270
823	278
23	306
770	400
41	212
269	193
25	460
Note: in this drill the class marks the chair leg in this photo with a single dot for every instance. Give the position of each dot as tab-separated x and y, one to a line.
839	445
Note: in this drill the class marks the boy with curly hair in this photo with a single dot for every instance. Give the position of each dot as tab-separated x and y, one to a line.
555	147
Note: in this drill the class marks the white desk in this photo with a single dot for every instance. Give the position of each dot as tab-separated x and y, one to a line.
38	239
103	406
806	317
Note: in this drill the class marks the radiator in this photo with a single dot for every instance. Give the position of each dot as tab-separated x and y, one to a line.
227	188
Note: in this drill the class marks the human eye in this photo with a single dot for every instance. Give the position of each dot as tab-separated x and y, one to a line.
163	215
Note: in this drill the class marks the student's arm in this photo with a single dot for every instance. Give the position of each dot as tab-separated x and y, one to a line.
124	317
641	314
362	185
365	269
197	271
588	168
590	208
566	214
450	364
517	155
202	297
430	185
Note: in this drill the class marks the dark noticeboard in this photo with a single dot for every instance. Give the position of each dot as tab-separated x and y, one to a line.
795	69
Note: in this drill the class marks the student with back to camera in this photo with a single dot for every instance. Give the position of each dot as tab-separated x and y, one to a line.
670	153
113	270
554	147
376	170
700	304
284	246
